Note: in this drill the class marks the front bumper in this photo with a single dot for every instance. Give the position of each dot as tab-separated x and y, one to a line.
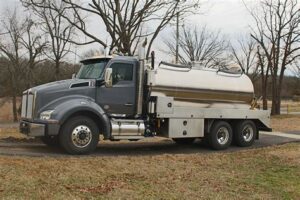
33	129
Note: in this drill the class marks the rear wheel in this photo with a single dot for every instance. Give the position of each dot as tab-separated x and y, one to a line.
220	135
51	141
79	135
245	133
183	141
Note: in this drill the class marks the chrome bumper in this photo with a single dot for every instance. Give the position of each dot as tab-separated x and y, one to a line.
32	129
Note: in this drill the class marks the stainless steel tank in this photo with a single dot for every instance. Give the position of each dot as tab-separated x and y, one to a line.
201	85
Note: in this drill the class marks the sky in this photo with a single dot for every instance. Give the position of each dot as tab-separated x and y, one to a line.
230	17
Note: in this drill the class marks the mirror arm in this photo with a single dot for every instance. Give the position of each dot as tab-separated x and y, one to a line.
100	82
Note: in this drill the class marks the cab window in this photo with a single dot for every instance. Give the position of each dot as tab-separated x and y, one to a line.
122	72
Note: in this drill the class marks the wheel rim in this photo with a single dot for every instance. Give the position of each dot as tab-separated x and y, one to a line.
248	133
223	135
81	136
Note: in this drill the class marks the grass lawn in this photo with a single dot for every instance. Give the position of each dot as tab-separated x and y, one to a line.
269	173
285	123
11	132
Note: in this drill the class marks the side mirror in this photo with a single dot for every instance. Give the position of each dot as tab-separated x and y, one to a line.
73	76
108	77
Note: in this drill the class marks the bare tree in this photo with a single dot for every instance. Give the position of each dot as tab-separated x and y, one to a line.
11	50
244	55
20	50
198	44
57	30
34	45
125	21
277	31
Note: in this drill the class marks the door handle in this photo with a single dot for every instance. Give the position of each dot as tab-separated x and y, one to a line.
128	104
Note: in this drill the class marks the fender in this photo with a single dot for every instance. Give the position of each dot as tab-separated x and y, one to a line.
65	109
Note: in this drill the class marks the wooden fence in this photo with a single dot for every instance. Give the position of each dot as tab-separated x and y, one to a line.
292	108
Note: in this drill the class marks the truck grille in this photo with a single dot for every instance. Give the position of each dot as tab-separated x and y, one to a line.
28	105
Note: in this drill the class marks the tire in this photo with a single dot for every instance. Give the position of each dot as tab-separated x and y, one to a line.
184	141
51	141
245	133
220	135
79	135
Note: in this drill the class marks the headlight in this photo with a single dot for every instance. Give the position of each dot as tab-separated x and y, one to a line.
46	115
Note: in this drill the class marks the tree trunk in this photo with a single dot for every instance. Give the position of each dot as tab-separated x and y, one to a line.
264	86
275	97
279	87
127	49
13	88
273	110
264	90
30	78
14	106
275	105
57	71
278	105
264	97
276	89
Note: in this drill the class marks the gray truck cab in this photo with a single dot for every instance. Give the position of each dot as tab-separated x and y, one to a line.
52	108
120	98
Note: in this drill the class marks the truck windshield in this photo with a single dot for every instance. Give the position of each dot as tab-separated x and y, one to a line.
92	69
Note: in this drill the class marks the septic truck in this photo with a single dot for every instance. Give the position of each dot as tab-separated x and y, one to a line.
130	98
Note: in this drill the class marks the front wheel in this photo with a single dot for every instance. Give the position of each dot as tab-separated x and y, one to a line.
79	135
220	135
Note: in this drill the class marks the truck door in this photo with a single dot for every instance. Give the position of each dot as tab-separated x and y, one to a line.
120	99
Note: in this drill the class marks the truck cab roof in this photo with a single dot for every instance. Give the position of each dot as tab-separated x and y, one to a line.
119	58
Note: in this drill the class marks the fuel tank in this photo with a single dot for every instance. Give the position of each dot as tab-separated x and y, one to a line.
206	86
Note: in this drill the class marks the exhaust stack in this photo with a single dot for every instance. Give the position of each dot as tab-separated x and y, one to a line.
141	73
